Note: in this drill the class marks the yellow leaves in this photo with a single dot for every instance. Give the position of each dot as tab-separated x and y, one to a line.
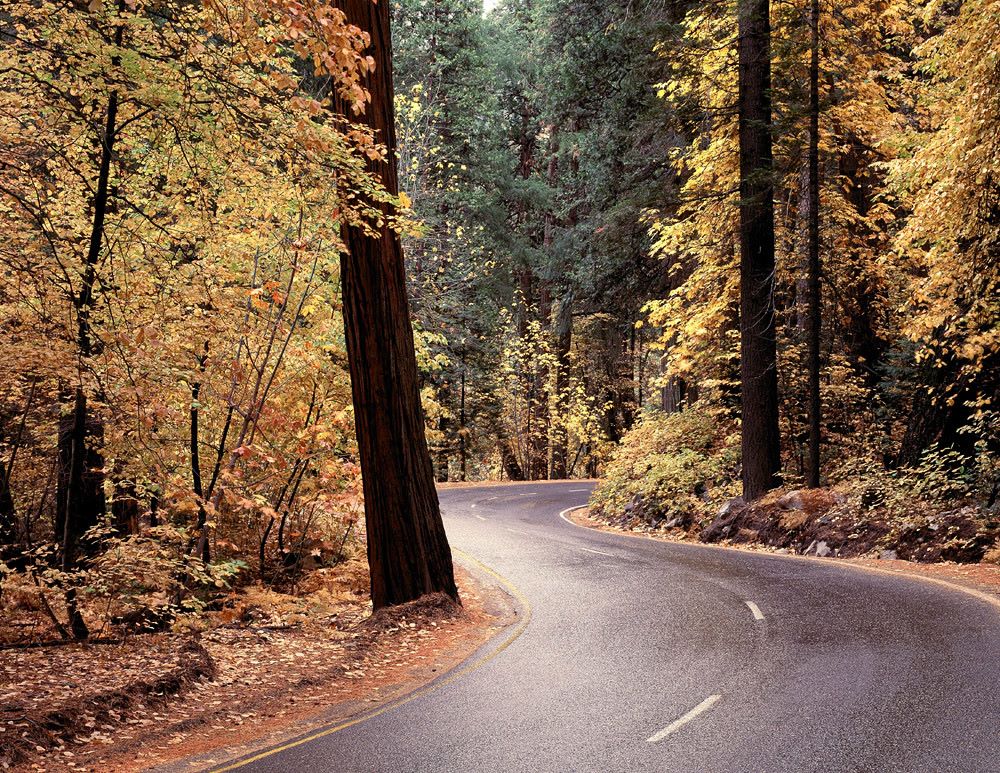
945	178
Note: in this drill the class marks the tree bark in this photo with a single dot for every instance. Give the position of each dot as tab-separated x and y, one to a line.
408	552
563	320
538	391
463	452
9	527
80	500
509	463
125	508
199	537
945	405
814	319
758	349
84	300
8	519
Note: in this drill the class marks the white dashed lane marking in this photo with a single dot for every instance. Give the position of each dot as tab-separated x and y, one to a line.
599	552
678	723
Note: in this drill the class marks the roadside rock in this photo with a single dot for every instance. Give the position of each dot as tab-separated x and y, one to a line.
818	548
722	526
793	500
737	503
793	520
888	555
717	529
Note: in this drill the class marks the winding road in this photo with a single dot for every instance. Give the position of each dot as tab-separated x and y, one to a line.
640	655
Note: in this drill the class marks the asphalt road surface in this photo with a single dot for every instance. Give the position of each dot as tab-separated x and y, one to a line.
649	656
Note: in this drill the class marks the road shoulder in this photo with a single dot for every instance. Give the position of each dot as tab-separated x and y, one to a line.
979	580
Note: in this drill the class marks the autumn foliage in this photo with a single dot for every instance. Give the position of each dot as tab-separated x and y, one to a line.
176	185
908	239
172	195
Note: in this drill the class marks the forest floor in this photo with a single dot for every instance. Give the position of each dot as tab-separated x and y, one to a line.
156	701
981	578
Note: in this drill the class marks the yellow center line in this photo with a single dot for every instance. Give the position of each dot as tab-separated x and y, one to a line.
479	662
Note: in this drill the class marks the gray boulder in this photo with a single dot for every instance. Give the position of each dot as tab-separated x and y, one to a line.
792	501
731	507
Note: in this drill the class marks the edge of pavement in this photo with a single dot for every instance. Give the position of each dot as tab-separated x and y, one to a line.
574	516
502	599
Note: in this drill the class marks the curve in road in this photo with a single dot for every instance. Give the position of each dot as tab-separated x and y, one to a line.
652	656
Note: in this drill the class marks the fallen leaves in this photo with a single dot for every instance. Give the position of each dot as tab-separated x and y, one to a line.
267	677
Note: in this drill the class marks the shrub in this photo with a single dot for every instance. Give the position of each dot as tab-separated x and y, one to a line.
669	467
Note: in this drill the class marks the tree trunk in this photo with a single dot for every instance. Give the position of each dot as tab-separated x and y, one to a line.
125	508
442	462
814	317
80	501
626	379
463	453
946	405
674	395
9	535
10	529
408	553
84	300
758	349
199	537
538	436
509	463
564	339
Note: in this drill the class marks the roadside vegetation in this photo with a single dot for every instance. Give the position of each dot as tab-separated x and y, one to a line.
577	273
678	474
896	419
184	186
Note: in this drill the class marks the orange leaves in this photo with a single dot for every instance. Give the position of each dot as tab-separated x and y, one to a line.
283	81
270	293
273	289
318	32
307	105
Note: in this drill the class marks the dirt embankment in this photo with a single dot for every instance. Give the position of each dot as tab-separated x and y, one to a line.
224	691
826	522
50	698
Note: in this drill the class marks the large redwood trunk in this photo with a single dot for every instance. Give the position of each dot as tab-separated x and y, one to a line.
758	348
408	553
814	319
